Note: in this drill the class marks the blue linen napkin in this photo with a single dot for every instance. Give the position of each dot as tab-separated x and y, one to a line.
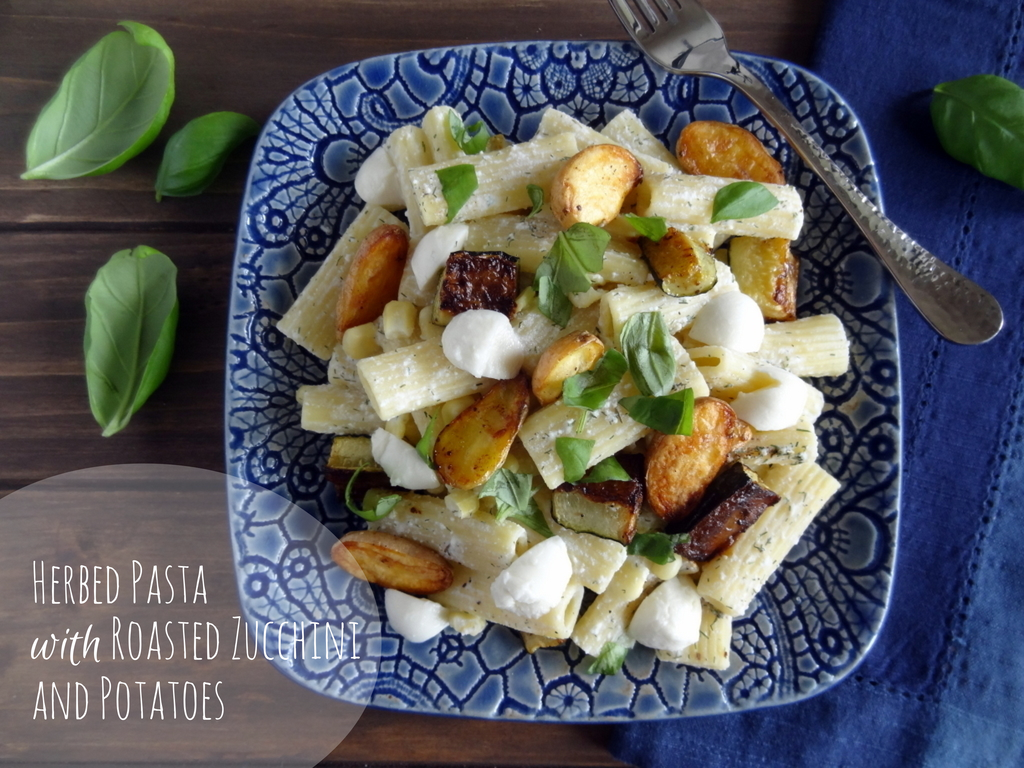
943	685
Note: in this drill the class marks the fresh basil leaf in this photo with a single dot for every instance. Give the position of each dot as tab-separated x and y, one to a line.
575	455
536	199
645	342
513	495
742	200
382	506
131	313
472	139
110	106
610	660
652	227
551	300
195	155
657	547
670	414
980	121
425	445
591	389
458	183
606	469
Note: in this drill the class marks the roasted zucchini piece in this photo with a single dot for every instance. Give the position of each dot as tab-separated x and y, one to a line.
680	467
475	443
732	503
608	509
681	264
350	453
711	148
476	280
768	272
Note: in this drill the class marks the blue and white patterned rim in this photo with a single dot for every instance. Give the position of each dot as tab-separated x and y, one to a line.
818	615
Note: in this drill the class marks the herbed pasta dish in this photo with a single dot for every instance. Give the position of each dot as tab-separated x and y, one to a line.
567	386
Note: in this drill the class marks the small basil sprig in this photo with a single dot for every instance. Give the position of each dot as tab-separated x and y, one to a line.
575	455
425	445
610	660
471	139
657	547
645	342
669	414
604	470
195	155
536	195
382	506
110	106
590	389
652	227
565	269
131	314
742	200
513	496
458	183
980	121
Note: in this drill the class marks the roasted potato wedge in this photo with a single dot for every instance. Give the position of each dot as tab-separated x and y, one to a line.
475	443
768	272
392	562
566	357
373	278
680	467
710	148
609	509
681	264
593	184
732	503
471	280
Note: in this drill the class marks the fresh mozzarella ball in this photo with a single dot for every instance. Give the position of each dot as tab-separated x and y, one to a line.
482	342
414	618
732	320
433	250
535	581
668	619
377	181
402	462
776	406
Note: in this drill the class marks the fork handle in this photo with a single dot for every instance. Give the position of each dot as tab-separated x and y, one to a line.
959	309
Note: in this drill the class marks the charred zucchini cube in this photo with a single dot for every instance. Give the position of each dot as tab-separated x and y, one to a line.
768	272
731	504
476	280
608	509
681	264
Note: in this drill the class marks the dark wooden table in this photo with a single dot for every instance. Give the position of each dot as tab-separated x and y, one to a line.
246	56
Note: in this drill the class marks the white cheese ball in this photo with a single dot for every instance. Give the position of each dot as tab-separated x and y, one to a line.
432	251
669	618
535	581
482	342
377	181
414	618
732	320
402	462
779	405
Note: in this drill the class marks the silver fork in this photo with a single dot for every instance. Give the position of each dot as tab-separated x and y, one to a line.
682	37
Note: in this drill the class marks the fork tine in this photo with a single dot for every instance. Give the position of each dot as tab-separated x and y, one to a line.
639	25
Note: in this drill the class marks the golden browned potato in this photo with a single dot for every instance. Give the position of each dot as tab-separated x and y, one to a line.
475	443
393	562
373	277
681	265
566	357
768	272
593	184
680	467
710	148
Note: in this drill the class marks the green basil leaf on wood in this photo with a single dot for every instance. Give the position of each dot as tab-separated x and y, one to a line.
131	313
110	106
742	200
195	155
980	121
